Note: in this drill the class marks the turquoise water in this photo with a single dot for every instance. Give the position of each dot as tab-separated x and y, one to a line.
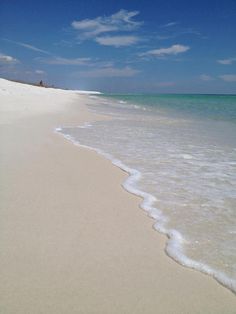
180	151
217	107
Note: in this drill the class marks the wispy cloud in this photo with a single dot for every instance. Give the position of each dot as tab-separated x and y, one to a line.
163	37
110	72
163	52
98	29
102	64
120	21
5	59
226	61
169	24
205	77
117	41
169	32
228	77
27	46
40	72
65	61
90	28
33	48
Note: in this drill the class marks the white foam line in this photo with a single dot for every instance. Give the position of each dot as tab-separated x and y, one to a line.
174	245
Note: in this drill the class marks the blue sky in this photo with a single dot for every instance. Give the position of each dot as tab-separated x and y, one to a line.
121	46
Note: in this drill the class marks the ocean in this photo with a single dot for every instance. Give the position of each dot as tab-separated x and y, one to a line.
180	152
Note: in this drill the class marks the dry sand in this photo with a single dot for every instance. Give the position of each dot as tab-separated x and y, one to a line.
72	239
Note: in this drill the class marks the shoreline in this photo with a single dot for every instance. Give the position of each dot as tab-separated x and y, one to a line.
173	237
73	240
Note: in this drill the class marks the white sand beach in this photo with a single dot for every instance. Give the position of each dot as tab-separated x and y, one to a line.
72	239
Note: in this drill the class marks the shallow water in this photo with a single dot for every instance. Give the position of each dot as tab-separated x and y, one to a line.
181	153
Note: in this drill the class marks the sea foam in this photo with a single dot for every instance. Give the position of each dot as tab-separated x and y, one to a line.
176	180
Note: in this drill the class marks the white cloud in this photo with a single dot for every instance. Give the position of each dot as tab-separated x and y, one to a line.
33	48
120	21
181	32
110	72
117	41
228	77
169	24
66	61
93	27
226	61
103	64
39	72
205	77
162	52
28	46
164	37
7	59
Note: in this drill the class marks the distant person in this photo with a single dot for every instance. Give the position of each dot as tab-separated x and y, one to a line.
41	83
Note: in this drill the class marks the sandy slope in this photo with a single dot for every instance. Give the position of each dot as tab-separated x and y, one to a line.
72	240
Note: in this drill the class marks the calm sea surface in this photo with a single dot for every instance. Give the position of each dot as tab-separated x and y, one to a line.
181	153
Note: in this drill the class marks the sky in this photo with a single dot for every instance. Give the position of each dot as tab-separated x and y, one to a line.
175	46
